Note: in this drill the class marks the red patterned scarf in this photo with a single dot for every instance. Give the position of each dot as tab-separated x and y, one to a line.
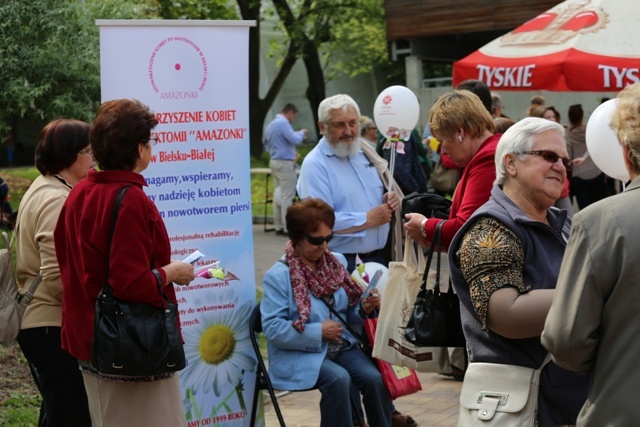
329	277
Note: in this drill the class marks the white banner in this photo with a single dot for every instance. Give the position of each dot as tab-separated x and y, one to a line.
194	76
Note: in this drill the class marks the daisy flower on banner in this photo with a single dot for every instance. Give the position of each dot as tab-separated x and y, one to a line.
218	349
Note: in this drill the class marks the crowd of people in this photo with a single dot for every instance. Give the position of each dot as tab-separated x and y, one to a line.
532	278
509	224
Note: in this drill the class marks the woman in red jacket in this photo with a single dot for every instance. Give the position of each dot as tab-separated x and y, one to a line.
465	129
121	142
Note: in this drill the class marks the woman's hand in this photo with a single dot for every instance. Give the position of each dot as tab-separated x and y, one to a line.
178	272
413	227
371	302
331	330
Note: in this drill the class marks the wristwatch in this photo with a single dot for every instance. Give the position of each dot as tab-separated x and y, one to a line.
423	229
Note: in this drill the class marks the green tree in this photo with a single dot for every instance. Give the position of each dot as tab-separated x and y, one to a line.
49	60
331	37
196	9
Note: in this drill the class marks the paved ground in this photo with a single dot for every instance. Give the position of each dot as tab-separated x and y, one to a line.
435	406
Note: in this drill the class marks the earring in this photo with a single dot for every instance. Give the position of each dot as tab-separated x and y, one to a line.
459	138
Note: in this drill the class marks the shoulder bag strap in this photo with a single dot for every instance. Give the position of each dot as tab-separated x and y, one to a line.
112	227
436	245
114	218
334	312
356	335
26	297
538	372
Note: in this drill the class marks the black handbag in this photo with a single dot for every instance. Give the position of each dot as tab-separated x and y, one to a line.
435	318
430	205
135	339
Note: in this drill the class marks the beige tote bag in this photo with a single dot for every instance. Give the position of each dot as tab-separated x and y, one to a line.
401	289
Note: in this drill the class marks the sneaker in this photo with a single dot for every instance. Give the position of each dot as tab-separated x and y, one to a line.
282	233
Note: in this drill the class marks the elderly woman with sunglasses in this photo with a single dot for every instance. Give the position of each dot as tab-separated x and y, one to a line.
505	260
308	297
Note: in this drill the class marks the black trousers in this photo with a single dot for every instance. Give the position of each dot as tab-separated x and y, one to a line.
64	401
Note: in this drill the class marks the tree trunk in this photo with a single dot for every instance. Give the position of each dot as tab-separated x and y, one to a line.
259	107
257	112
316	90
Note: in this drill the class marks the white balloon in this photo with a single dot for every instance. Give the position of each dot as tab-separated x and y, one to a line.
602	142
396	107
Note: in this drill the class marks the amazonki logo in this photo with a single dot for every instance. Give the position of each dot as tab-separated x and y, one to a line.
178	68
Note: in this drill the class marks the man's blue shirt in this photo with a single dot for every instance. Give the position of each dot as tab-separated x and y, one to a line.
280	139
352	186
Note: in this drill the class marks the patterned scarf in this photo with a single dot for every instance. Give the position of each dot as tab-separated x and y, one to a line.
329	277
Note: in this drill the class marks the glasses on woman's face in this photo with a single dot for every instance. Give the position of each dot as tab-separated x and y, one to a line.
318	240
86	151
153	140
551	157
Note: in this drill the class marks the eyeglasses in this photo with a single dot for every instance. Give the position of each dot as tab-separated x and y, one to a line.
153	140
551	157
86	151
318	240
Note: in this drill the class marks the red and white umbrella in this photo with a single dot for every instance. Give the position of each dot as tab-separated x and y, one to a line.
578	45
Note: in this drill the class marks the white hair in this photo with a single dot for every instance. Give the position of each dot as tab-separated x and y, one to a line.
519	138
336	102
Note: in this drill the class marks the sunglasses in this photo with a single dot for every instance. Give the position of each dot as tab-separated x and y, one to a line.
550	157
317	241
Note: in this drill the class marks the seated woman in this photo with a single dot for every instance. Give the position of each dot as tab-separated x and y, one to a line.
308	345
505	260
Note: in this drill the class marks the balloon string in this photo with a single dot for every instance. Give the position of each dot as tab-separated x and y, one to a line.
392	165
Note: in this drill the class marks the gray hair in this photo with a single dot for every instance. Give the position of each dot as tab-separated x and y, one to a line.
365	124
519	138
336	102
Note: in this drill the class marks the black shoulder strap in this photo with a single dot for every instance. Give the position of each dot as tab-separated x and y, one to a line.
112	227
334	312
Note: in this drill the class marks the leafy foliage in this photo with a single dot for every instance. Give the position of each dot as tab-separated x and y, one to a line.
196	9
331	37
50	56
349	34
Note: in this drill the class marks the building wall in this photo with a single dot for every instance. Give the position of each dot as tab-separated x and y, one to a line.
410	19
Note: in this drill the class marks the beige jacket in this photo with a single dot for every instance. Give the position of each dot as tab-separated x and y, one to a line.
35	250
594	322
390	184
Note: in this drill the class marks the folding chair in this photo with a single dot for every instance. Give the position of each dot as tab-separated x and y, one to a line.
262	376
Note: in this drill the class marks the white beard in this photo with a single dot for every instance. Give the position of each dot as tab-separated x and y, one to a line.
342	150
